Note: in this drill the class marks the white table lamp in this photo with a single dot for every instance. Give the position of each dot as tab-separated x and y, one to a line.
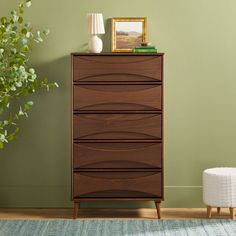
95	27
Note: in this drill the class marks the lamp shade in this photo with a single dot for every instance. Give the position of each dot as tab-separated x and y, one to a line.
95	23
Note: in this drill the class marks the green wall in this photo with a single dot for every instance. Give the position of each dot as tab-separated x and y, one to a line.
199	41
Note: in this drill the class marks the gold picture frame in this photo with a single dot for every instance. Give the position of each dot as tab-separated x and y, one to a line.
128	32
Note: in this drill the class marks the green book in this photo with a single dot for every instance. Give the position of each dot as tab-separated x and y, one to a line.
146	47
143	50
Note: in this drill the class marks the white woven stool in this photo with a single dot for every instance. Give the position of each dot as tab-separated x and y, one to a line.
219	189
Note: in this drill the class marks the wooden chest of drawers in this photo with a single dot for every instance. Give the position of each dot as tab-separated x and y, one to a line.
117	127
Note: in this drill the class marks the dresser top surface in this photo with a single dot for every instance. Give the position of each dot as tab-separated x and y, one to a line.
116	54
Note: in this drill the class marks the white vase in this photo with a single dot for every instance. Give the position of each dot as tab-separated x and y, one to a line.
95	44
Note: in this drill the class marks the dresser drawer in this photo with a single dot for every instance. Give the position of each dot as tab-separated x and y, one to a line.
117	68
117	126
117	97
117	155
117	184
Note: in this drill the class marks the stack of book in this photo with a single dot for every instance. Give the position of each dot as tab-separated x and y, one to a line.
145	49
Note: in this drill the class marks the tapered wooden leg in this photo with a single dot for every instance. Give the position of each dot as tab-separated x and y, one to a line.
218	210
158	209
231	209
209	208
76	209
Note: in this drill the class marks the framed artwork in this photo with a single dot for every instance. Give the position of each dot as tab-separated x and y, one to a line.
128	32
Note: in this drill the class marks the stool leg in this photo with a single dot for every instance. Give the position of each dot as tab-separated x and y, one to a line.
209	208
231	209
218	210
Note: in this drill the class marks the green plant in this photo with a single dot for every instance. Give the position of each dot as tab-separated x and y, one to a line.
17	78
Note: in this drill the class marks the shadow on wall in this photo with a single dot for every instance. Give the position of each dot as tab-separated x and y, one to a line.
53	113
106	38
40	156
57	70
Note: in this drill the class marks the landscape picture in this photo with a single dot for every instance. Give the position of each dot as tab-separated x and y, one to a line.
128	34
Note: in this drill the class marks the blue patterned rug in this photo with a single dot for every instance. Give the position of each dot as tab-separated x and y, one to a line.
117	227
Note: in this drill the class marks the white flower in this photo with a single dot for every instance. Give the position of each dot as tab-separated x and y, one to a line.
31	71
28	4
28	34
22	69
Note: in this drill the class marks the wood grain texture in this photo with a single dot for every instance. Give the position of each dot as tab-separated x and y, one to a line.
118	141
117	126
112	68
117	184
117	97
117	155
118	54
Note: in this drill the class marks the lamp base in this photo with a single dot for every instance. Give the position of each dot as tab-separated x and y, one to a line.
95	44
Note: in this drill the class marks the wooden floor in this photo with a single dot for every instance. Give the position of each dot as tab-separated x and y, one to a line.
144	213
